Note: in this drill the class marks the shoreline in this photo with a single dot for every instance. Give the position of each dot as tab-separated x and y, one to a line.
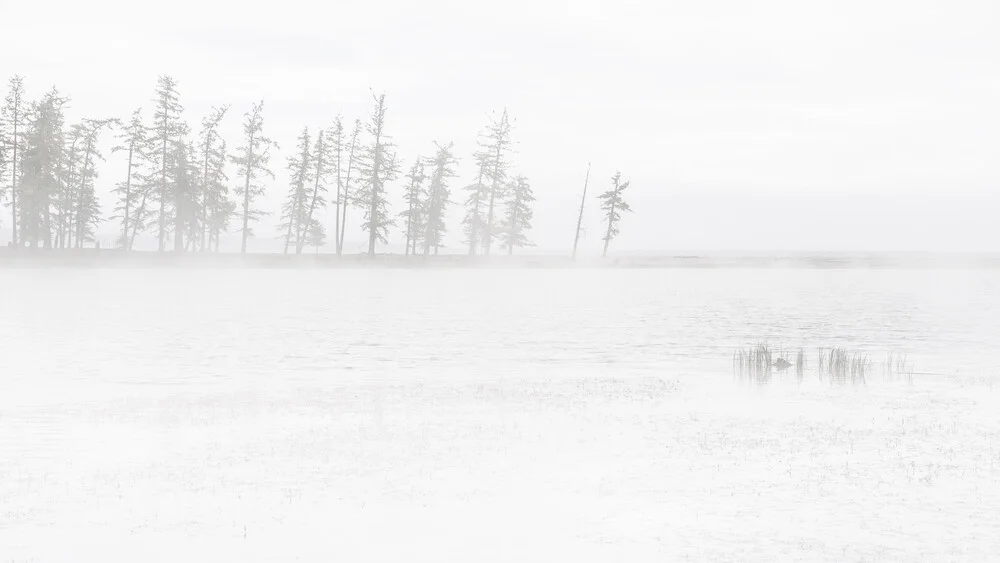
110	258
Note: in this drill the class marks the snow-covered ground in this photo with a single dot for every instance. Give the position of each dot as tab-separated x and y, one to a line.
255	415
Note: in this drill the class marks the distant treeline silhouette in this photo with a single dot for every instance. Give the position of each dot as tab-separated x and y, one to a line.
177	184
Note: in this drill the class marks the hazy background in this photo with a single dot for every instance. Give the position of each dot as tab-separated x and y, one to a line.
771	125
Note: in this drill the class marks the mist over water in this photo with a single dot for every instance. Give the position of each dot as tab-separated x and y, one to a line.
495	413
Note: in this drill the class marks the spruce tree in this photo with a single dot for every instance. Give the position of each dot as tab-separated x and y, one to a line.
186	173
438	198
413	215
498	146
85	208
378	167
14	118
167	130
253	161
478	194
323	157
613	205
130	204
517	215
348	197
41	176
213	184
293	210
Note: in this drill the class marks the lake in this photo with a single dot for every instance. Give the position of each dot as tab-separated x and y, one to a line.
494	415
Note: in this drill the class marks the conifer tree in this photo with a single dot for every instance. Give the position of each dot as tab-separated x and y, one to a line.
517	215
293	210
311	229
85	208
613	205
438	198
478	195
253	160
41	177
498	146
167	130
187	197
131	193
14	116
348	197
335	143
378	167
413	215
213	187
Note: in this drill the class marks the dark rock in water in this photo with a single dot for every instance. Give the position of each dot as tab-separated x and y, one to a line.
782	364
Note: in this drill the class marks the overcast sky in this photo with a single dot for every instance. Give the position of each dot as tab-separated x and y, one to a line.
744	126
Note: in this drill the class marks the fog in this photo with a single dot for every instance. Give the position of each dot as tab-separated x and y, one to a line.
594	281
833	127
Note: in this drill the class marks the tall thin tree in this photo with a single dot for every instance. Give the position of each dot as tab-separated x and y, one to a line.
378	167
347	200
167	130
292	211
517	215
613	205
438	197
14	111
478	194
413	215
133	142
311	229
213	179
253	161
498	145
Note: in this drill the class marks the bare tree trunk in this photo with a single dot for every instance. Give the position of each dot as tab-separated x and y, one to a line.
579	220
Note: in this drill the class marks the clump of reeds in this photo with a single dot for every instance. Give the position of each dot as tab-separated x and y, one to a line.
840	365
753	363
759	363
897	367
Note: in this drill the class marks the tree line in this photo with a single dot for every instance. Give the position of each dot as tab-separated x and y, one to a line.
176	183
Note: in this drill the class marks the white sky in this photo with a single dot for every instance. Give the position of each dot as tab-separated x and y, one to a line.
744	126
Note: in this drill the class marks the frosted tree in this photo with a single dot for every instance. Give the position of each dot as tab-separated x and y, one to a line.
475	202
213	184
613	205
323	157
377	167
41	177
167	130
498	146
517	215
253	161
292	211
13	116
413	215
131	193
438	198
348	198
